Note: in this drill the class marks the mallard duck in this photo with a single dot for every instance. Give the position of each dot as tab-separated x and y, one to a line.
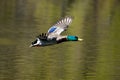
53	35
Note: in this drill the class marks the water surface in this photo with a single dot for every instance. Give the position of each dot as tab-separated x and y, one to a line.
96	58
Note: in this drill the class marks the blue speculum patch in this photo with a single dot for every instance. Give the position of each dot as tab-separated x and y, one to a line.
52	29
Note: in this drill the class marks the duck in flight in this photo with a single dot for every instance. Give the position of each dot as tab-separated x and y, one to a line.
53	36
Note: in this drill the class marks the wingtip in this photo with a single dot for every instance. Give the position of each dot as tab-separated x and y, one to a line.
69	17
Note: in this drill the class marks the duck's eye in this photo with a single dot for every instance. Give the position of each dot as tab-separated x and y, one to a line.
34	42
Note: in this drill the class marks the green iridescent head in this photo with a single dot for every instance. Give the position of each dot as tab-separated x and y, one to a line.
72	38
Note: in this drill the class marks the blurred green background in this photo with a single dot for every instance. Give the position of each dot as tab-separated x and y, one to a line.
96	58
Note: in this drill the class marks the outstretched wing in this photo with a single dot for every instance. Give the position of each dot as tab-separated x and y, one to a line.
59	27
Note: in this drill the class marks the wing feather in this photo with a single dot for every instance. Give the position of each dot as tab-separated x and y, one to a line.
59	27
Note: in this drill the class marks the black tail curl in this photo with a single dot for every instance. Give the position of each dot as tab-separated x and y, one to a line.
42	36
